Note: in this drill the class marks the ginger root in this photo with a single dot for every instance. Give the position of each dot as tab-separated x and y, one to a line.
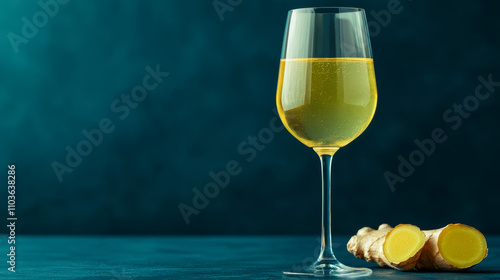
452	248
398	247
405	247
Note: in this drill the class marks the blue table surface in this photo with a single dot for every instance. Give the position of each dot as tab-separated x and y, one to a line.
194	257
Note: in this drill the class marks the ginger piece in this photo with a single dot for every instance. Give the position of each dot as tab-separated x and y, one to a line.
402	246
452	248
397	247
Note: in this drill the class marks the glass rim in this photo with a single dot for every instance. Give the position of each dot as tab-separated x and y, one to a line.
318	10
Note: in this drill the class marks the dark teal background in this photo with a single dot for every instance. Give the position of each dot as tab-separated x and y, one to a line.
220	91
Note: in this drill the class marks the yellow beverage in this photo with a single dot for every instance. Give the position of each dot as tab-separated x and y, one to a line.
326	102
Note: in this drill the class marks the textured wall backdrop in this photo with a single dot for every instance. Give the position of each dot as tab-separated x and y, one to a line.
70	66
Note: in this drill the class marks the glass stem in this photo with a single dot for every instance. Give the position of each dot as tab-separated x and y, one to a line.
326	155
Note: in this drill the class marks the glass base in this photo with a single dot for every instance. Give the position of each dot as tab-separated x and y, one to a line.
326	269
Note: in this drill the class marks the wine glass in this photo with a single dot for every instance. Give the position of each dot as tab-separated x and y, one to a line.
326	98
